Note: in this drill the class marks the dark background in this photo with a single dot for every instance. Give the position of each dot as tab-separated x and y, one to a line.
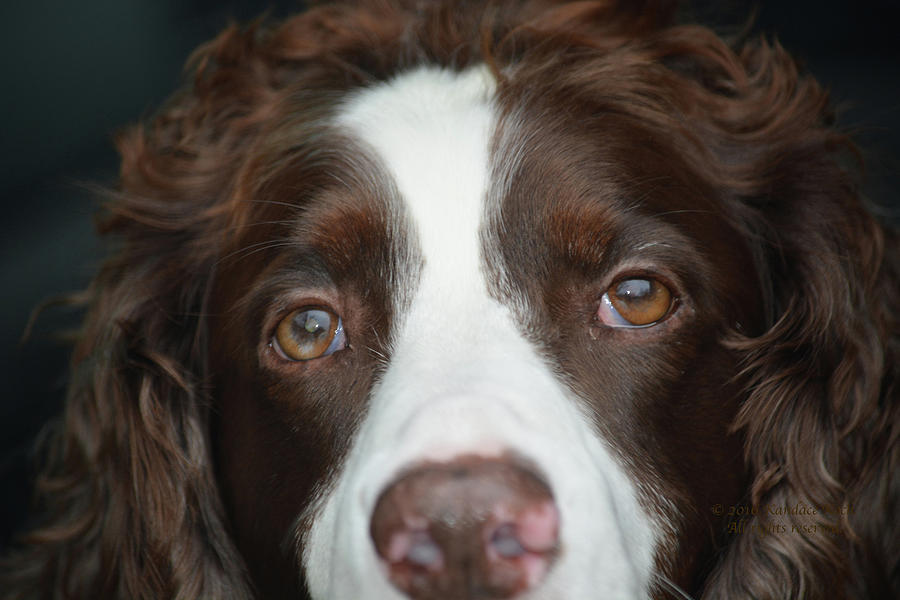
74	72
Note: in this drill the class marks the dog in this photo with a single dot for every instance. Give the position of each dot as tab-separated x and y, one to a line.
462	300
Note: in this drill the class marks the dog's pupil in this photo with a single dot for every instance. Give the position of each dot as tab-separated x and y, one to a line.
312	324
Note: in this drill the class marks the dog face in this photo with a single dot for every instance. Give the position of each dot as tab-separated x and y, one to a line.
468	300
469	279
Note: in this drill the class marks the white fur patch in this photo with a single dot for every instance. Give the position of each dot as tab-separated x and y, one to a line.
462	379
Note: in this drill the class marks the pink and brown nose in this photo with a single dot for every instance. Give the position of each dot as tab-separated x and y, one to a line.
474	528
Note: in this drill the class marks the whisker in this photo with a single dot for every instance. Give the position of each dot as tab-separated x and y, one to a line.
683	211
272	202
244	252
381	355
259	223
670	586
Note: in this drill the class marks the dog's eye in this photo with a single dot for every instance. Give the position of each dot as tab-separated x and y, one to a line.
309	333
635	303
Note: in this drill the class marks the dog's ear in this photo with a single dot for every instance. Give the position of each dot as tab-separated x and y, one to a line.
821	417
132	509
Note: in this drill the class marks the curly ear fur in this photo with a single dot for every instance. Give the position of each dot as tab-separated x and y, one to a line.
821	418
133	507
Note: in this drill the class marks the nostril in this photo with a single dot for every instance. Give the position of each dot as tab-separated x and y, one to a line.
505	542
415	547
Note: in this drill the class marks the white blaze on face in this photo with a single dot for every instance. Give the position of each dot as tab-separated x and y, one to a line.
462	379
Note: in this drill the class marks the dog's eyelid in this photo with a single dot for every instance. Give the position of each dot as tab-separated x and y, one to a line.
278	304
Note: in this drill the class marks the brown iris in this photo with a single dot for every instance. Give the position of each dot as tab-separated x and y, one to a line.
636	303
309	333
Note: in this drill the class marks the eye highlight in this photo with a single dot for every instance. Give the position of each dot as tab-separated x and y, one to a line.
637	302
309	333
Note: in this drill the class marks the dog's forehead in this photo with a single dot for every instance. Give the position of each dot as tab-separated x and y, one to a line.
473	173
431	131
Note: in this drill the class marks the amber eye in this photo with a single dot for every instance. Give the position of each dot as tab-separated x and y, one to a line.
635	303
309	333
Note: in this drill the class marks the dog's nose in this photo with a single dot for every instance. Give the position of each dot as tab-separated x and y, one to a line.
472	528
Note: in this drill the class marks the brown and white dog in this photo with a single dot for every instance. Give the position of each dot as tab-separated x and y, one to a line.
464	300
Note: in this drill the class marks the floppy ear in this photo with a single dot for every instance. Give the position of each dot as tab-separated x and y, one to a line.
821	418
133	509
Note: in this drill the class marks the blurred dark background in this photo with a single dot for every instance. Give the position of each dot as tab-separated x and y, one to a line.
75	72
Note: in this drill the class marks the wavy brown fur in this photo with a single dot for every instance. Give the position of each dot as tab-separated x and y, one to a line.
129	491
